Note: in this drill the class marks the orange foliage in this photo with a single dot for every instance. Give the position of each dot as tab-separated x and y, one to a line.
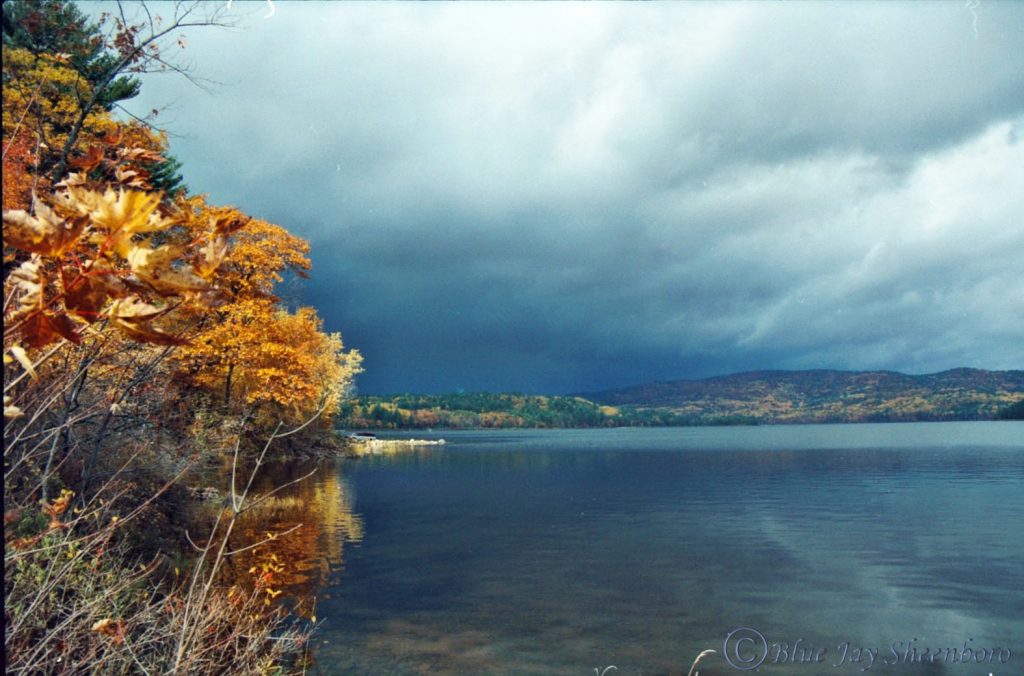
271	358
19	173
252	254
91	256
42	95
121	156
105	250
94	249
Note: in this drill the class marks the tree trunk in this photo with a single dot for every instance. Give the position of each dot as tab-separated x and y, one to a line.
227	388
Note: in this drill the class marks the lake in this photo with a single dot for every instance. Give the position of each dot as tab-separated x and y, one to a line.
814	549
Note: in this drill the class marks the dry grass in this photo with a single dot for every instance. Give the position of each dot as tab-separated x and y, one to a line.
73	607
77	596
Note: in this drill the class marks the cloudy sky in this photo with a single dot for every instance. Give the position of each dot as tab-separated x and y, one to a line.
569	197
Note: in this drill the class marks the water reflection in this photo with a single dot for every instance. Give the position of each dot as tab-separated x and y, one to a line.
314	554
559	552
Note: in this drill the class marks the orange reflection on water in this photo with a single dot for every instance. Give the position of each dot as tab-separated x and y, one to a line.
322	508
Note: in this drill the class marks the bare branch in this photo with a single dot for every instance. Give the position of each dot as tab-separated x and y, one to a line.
138	53
255	502
264	540
300	427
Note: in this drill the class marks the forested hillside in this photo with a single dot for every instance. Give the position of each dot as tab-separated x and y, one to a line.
831	396
763	397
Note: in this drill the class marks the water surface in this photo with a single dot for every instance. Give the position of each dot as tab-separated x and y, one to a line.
570	551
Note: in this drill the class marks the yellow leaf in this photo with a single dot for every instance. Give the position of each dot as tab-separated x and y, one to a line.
27	282
44	233
109	627
121	214
213	255
18	352
143	259
103	625
134	317
131	211
174	280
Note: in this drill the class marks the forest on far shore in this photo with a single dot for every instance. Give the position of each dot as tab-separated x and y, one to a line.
760	397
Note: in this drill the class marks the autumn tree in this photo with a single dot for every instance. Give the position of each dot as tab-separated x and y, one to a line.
40	108
105	58
273	360
109	267
52	27
252	351
105	274
257	253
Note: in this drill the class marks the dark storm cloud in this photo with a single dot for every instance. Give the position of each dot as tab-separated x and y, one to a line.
571	196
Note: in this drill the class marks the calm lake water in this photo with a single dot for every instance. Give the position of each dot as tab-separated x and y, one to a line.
566	552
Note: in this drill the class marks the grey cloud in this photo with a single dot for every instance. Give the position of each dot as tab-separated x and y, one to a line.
571	196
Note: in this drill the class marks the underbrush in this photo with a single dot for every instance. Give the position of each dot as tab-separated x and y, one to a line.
107	579
74	605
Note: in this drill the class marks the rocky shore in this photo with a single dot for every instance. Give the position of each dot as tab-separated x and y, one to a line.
360	447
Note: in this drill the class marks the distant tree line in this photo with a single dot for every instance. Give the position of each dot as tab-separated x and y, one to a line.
488	410
1012	412
477	410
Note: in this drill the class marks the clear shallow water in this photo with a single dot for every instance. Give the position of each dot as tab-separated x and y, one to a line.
570	551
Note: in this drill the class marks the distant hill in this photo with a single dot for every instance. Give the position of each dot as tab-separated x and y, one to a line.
829	396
